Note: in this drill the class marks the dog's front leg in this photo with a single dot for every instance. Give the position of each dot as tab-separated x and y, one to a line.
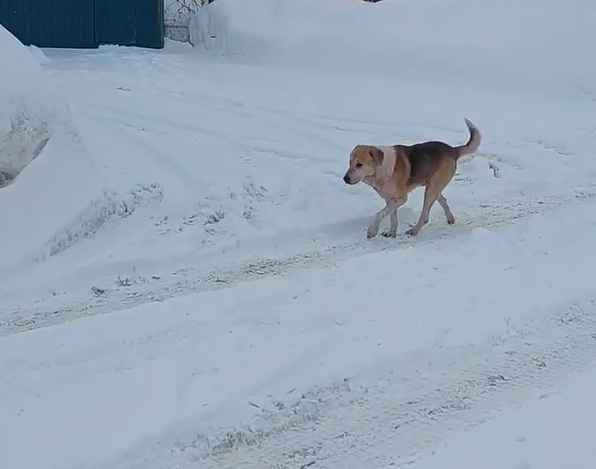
390	208
391	232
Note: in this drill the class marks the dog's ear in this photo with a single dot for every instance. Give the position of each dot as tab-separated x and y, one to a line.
377	155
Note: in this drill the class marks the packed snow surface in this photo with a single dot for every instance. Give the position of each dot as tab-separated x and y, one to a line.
556	431
185	279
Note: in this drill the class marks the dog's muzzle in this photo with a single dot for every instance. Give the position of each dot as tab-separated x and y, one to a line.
347	179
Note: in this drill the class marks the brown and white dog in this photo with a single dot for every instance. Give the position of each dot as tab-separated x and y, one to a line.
394	171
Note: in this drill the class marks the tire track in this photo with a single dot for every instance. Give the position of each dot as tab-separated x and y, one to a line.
413	403
335	244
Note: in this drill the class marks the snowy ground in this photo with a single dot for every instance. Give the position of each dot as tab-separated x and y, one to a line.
556	431
199	291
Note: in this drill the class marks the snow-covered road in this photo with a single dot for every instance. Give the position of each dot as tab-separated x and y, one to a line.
554	431
206	184
346	366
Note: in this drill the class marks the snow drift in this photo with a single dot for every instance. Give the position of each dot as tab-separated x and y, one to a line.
464	38
29	109
46	176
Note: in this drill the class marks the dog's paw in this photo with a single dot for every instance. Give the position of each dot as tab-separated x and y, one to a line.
390	233
451	220
412	232
371	232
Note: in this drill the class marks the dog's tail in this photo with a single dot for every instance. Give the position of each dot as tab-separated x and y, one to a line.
473	142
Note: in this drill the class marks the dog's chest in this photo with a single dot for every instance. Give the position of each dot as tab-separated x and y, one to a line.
386	191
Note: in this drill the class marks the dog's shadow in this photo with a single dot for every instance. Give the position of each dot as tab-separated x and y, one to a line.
406	218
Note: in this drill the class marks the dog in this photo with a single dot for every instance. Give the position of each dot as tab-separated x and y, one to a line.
395	171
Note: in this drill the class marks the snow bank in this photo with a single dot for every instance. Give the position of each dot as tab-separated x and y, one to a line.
38	54
404	37
28	108
35	121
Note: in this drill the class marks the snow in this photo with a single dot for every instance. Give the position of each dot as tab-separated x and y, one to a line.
38	54
40	149
479	42
556	431
200	360
186	280
28	106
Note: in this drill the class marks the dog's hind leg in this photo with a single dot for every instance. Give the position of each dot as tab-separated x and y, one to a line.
430	196
433	191
448	214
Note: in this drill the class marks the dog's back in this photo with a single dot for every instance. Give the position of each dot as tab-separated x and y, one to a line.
425	159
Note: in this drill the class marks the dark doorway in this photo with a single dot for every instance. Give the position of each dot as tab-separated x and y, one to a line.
130	22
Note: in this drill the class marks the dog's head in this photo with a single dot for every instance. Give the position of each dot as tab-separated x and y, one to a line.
364	161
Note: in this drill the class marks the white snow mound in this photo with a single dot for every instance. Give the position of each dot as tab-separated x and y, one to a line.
46	178
30	109
388	37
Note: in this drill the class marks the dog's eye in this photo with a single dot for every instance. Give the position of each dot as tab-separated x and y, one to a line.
359	165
